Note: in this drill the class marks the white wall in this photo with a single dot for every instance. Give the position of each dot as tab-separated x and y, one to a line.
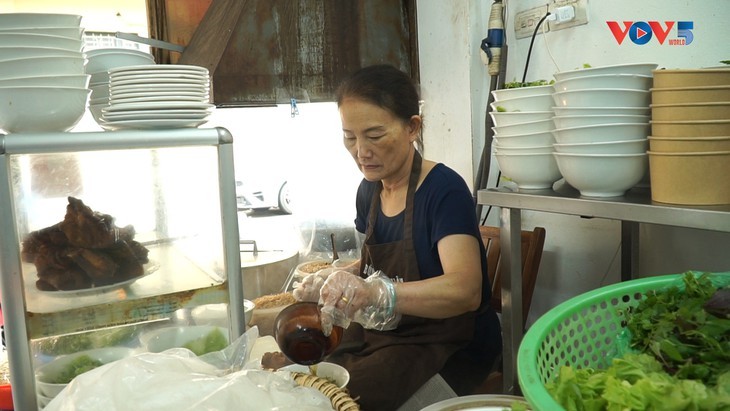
580	254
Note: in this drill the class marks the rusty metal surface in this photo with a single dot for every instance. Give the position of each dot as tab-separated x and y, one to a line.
283	49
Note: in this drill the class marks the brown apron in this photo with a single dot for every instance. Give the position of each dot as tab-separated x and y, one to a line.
391	365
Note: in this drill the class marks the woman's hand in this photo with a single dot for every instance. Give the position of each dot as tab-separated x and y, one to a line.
371	302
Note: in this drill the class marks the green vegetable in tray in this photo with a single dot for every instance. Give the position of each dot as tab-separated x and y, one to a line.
213	341
73	343
682	358
76	367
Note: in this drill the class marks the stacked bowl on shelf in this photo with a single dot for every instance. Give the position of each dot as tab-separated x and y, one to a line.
100	62
157	96
601	118
43	84
689	145
522	135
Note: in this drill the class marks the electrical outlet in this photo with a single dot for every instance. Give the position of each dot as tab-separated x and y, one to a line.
526	21
581	14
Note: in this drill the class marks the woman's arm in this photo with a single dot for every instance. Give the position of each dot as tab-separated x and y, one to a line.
457	291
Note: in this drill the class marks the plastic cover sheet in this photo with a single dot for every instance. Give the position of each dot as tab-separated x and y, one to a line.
177	380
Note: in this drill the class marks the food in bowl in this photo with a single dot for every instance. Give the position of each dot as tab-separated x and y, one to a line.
507	93
525	140
334	373
542	102
589	120
523	128
200	339
312	267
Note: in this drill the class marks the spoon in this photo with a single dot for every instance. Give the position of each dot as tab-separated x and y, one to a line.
335	257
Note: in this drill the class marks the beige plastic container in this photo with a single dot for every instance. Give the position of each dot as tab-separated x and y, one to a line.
683	95
688	145
691	111
691	77
686	129
690	178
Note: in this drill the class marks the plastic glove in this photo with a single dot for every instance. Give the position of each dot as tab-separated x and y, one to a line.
308	289
370	302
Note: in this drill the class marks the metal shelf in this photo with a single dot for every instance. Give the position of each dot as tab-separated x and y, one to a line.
633	208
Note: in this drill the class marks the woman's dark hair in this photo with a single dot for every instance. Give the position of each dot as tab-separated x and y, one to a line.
385	86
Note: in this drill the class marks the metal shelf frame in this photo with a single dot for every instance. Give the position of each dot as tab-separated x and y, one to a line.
632	209
17	327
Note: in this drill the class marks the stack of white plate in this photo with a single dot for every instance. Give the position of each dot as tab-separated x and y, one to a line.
157	96
43	85
100	62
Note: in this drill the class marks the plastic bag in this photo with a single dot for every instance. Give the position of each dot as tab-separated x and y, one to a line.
177	380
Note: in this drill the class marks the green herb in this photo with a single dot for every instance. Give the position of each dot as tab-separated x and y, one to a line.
686	339
213	341
725	61
501	109
76	367
519	84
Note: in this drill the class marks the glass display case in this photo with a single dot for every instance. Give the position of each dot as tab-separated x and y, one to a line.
112	230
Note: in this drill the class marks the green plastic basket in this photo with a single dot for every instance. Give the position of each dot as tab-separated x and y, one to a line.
585	331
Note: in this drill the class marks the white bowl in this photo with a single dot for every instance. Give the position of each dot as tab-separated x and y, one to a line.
22	20
542	102
591	120
101	60
501	119
601	133
47	373
508	93
524	128
603	97
622	81
544	149
610	147
331	371
596	111
40	40
43	400
161	339
100	77
529	171
70	32
544	138
14	53
41	66
602	175
67	80
217	314
643	69
41	109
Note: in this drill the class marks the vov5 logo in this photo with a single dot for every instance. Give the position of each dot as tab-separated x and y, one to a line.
641	32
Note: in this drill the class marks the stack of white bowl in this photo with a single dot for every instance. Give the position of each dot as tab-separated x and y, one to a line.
522	119
100	62
43	84
601	127
157	96
689	148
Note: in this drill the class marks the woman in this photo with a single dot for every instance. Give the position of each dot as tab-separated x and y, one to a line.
425	309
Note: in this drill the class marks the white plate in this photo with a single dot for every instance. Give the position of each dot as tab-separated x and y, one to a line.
142	99
137	88
173	93
152	82
484	402
191	75
151	124
149	268
163	67
157	115
159	105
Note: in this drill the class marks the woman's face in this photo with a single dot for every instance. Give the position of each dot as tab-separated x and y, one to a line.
379	142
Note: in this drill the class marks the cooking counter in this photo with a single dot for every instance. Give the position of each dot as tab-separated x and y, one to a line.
631	209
